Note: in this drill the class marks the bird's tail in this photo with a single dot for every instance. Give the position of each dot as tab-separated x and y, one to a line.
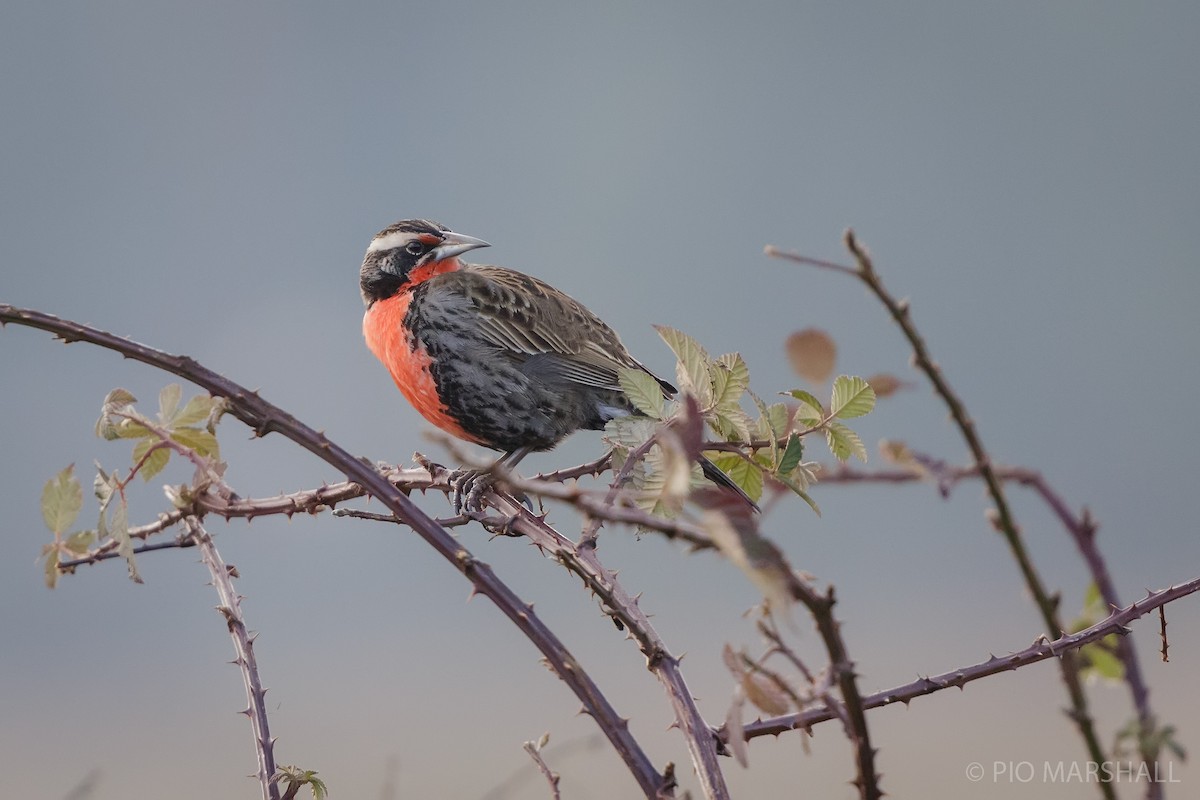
714	474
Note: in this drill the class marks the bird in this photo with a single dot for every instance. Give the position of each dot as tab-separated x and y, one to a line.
491	355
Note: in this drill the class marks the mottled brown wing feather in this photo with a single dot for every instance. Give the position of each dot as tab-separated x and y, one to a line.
520	313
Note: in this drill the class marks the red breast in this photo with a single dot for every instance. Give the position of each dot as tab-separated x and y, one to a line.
401	352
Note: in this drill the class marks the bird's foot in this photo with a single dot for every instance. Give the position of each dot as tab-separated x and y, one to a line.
468	486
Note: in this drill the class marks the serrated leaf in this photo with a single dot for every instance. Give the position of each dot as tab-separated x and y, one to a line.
116	401
129	429
810	411
742	472
764	694
812	353
844	442
629	432
852	397
730	378
156	461
79	542
197	409
103	486
168	403
792	454
732	425
769	422
651	495
62	497
642	390
692	369
198	439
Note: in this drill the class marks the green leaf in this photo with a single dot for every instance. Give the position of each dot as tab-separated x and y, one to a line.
742	472
844	442
118	529
810	410
128	429
852	397
730	378
103	486
629	432
51	565
791	482
767	422
1100	661
197	409
62	498
79	542
198	439
792	454
732	424
692	369
642	390
168	403
116	401
156	461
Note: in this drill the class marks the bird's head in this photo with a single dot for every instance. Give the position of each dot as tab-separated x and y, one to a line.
408	252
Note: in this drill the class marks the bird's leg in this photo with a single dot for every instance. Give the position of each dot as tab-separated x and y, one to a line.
469	485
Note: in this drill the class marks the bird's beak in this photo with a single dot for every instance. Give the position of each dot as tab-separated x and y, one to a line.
455	244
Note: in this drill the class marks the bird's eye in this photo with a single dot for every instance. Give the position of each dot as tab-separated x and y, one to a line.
414	248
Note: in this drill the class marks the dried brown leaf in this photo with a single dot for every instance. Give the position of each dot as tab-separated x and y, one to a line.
813	354
886	384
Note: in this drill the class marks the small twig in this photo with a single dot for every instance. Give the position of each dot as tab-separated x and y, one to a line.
1162	630
592	528
595	467
243	645
535	752
1039	651
182	541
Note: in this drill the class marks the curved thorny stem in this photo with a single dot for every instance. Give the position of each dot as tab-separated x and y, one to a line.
264	417
1002	517
243	645
1041	650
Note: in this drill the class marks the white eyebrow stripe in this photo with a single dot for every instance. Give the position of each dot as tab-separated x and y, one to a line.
391	241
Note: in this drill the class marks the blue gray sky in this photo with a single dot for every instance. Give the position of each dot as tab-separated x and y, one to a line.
205	178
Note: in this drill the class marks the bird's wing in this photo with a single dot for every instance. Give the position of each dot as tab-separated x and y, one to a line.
553	335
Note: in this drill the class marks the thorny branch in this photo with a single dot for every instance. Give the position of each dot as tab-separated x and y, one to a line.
243	645
1001	517
583	561
534	749
264	417
1040	650
1081	528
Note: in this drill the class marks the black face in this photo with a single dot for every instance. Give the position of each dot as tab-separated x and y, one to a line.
395	252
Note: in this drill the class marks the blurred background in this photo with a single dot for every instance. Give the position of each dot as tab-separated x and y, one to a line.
205	178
